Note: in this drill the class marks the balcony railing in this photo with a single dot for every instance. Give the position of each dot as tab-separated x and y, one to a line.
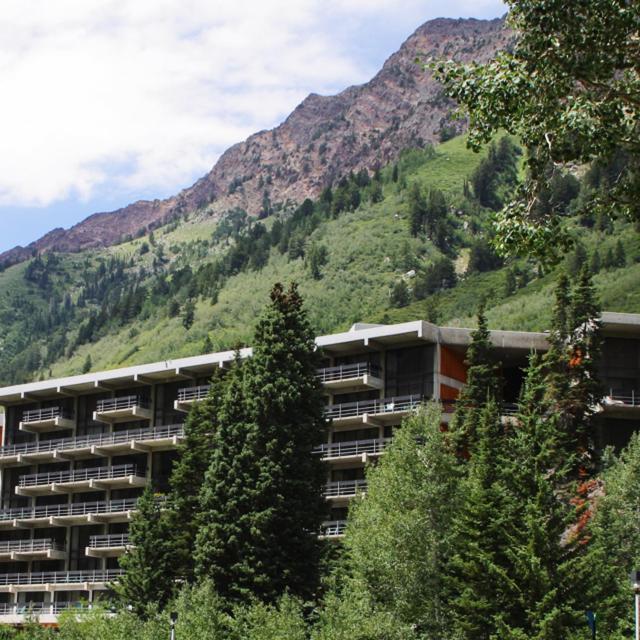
28	546
60	577
193	393
78	475
40	608
345	488
352	448
119	404
373	407
99	439
333	528
623	398
347	372
109	541
74	509
40	415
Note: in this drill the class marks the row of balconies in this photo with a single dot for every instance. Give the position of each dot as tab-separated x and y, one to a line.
39	608
81	480
128	408
58	580
100	444
373	412
68	514
100	546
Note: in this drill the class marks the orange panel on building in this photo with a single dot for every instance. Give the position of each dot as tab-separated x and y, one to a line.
448	393
452	364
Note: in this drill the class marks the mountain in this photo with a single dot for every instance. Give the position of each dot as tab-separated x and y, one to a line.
324	138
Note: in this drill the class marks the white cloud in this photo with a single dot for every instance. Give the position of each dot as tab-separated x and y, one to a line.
142	94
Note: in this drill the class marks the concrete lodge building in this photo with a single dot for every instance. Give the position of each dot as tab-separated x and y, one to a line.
76	452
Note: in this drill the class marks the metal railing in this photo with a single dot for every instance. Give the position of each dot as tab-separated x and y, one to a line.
60	577
373	407
73	509
40	415
626	398
78	475
333	528
38	608
352	448
347	372
98	439
193	393
38	544
117	404
109	541
344	488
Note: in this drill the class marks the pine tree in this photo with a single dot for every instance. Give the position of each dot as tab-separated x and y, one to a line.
187	475
149	578
477	574
262	499
620	257
417	208
544	543
483	385
572	386
510	282
188	314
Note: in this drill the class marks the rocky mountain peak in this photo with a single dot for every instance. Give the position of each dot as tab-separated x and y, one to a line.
324	138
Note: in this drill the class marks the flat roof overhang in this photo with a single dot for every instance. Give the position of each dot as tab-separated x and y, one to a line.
621	324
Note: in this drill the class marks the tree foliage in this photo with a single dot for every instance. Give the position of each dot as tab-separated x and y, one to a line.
569	87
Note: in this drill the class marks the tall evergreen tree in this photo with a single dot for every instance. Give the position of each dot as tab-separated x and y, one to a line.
544	543
483	384
187	475
261	501
478	578
573	389
149	578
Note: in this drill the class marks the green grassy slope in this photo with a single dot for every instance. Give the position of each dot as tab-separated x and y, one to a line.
369	249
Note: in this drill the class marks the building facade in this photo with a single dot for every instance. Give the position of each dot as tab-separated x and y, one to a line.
77	452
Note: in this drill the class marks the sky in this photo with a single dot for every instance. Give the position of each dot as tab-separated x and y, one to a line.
105	102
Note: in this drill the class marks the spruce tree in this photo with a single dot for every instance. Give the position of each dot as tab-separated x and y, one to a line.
572	386
187	475
149	570
483	384
544	541
261	501
478	569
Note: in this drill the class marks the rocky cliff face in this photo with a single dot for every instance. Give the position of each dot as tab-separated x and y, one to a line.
323	139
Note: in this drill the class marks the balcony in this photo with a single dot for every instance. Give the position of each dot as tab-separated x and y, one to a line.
25	550
621	403
91	479
43	420
353	450
58	580
125	409
351	376
64	515
189	396
109	546
100	444
373	412
343	489
333	529
46	612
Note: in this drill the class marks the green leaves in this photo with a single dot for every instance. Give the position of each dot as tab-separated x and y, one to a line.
569	88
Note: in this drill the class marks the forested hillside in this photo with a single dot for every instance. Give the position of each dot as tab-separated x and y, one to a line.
409	241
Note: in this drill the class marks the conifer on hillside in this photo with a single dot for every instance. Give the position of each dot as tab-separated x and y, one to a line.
483	385
149	570
187	475
261	502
